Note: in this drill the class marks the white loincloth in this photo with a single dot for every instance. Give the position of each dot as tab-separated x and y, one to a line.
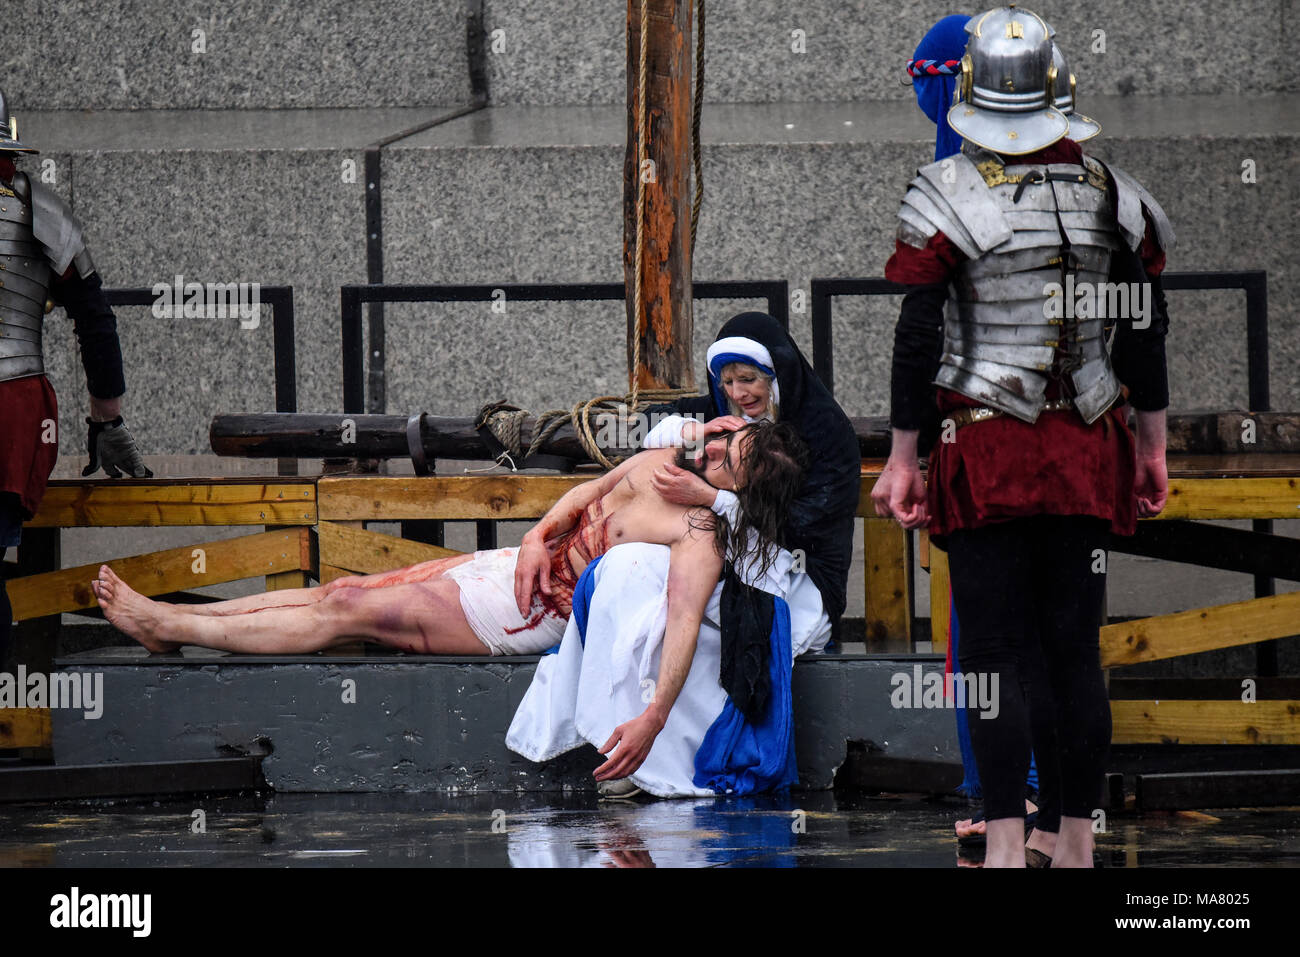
487	596
579	696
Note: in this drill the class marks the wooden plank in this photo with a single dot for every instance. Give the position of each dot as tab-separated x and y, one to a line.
129	504
329	573
367	552
157	573
283	580
1205	722
501	497
307	559
923	549
1233	498
871	469
1192	498
939	612
886	569
1200	629
26	728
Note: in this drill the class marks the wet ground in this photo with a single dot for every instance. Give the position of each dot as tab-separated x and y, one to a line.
498	830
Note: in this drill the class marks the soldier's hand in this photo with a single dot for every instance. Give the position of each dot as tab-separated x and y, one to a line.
112	447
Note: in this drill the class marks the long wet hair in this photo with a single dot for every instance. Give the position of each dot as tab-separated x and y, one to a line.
773	473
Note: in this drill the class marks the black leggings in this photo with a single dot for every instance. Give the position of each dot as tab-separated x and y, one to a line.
1030	594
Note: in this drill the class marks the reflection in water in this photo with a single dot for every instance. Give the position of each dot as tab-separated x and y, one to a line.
756	831
820	829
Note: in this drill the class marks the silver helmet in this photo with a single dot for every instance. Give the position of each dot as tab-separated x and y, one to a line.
1063	83
9	131
1006	103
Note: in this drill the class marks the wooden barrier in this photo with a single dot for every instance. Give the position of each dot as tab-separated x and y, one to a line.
159	573
314	529
215	501
1200	629
448	497
26	728
361	552
1205	722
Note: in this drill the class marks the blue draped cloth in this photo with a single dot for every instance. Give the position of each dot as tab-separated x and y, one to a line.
946	40
737	757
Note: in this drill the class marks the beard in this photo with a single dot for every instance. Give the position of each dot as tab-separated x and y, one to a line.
692	464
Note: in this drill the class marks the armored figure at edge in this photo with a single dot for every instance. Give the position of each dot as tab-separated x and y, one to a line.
1014	251
44	261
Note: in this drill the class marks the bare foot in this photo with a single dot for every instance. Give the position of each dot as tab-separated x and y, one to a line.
130	612
969	826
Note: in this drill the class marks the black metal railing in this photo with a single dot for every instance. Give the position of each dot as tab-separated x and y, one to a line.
1254	283
776	292
280	299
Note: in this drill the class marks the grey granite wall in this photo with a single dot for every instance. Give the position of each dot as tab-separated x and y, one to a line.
225	197
831	50
140	54
533	194
536	200
250	54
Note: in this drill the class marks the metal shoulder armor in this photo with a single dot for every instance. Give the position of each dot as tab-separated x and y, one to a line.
56	228
1132	199
951	197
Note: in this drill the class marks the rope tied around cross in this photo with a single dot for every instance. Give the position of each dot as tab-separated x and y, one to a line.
502	424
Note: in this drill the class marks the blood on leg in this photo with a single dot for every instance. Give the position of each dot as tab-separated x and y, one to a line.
424	618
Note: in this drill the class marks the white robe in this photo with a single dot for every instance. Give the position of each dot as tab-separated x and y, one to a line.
580	695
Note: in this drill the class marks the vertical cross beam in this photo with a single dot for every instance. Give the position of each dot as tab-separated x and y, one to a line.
665	359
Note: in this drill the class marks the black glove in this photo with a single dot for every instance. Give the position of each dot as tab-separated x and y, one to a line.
111	444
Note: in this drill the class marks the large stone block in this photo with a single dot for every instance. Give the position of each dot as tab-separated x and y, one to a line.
824	51
226	197
250	54
422	724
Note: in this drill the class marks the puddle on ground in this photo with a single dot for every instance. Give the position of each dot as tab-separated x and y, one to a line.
824	829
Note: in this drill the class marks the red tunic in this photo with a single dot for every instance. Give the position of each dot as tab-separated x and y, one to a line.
1003	468
26	460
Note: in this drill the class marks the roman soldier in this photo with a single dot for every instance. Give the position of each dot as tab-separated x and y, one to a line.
44	261
1036	465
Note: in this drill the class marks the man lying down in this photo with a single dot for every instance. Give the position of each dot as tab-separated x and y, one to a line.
471	604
